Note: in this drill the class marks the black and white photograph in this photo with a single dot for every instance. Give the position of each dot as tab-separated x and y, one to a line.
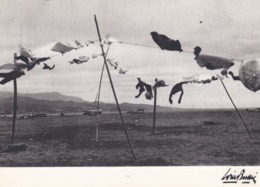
134	90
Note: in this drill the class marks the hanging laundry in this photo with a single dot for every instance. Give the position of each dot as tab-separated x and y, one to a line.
48	67
106	41
166	43
160	83
26	52
235	78
14	67
112	63
7	77
196	52
200	78
149	91
214	62
122	70
89	42
80	60
249	74
78	44
37	61
23	58
142	86
175	89
62	48
96	55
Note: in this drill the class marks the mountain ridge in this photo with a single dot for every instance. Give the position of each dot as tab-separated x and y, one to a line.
28	104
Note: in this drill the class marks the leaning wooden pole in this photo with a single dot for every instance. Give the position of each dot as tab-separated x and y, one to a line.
14	105
98	96
154	107
235	107
113	89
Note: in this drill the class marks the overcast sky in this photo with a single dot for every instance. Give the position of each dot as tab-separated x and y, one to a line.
228	29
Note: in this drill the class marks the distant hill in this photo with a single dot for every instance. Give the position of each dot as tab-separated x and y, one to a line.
27	105
51	96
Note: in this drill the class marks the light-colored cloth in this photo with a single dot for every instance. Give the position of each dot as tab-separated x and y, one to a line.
249	74
26	52
62	48
214	62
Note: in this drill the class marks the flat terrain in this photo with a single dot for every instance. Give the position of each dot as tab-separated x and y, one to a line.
185	138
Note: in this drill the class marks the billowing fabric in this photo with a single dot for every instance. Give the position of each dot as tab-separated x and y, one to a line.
80	60
30	65
175	89
7	77
62	48
214	62
48	67
166	43
26	52
35	62
8	66
249	74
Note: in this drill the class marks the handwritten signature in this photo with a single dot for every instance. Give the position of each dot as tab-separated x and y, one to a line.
242	176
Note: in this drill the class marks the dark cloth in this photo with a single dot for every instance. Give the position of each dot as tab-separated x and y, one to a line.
142	86
166	43
196	52
149	92
31	65
23	58
10	76
48	67
160	83
213	78
175	89
235	78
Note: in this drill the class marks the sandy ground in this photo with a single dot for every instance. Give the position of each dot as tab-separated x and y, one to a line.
185	138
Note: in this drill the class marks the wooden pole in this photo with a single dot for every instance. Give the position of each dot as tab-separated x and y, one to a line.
98	96
113	89
154	107
235	107
14	105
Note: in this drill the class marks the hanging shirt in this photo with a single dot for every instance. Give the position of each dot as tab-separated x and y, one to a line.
166	43
175	89
142	86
